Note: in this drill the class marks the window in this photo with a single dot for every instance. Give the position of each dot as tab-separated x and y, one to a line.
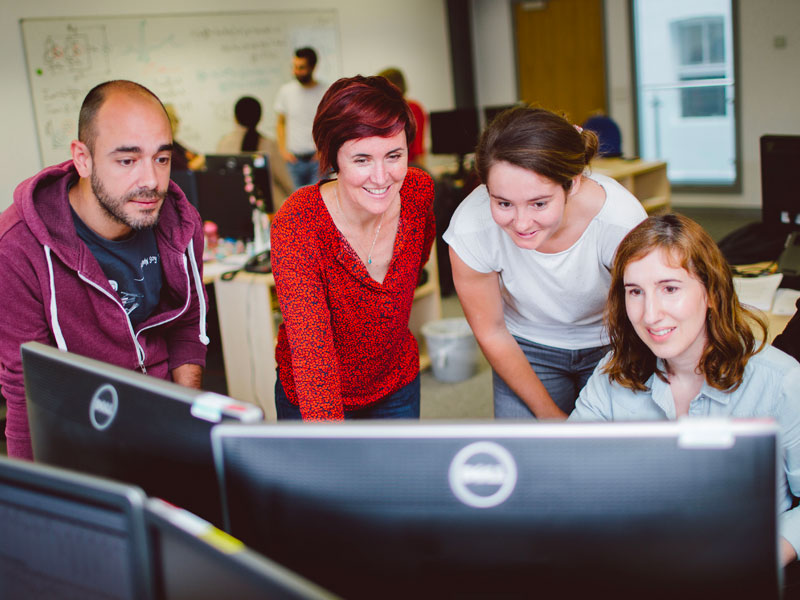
685	89
703	101
699	44
700	41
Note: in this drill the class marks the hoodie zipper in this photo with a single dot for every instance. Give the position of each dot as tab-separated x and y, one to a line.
140	355
139	349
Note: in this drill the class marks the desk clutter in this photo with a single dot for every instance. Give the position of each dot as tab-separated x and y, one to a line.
758	286
771	247
422	509
233	197
764	292
758	291
232	192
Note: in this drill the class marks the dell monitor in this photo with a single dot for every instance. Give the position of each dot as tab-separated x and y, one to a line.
194	560
101	419
454	132
509	510
780	202
185	180
222	195
68	535
490	112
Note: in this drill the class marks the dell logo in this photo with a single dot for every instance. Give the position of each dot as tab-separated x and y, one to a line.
483	475
103	407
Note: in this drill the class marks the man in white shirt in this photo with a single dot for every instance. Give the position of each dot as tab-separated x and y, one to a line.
295	107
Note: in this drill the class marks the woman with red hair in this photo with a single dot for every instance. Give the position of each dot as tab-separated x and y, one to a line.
347	254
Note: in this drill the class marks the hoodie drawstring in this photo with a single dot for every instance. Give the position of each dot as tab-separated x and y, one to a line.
198	282
201	299
60	342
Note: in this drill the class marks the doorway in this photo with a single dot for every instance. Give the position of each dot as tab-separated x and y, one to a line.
561	56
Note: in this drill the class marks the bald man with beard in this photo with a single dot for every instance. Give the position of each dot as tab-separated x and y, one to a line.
102	255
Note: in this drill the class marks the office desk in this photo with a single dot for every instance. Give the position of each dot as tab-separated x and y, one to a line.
645	179
247	329
759	293
775	324
249	320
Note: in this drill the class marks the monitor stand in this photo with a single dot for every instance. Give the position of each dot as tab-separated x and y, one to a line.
461	174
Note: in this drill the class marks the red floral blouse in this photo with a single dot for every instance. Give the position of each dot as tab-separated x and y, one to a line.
345	343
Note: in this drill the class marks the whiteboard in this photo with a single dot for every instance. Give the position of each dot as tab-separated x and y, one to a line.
201	63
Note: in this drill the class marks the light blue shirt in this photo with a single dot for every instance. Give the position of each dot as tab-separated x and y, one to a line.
770	388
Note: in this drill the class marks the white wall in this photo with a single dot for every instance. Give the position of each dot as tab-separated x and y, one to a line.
374	34
494	55
768	85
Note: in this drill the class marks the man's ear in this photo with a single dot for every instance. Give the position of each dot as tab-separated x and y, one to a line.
81	157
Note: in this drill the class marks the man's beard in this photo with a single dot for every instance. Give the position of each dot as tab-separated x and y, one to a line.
115	207
304	79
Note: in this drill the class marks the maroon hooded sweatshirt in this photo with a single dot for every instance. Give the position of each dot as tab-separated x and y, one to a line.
52	290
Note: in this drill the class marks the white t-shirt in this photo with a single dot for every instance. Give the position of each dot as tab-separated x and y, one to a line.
551	299
299	105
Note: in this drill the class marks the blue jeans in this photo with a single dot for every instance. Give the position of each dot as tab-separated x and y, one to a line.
402	404
303	172
562	372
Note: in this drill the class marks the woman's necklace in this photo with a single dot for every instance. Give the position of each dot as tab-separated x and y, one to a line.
377	230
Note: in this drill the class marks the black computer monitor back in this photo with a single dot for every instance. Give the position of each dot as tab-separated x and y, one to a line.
188	184
97	418
221	193
68	535
780	200
496	510
454	131
194	560
491	112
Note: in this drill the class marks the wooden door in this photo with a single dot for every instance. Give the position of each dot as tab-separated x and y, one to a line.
561	56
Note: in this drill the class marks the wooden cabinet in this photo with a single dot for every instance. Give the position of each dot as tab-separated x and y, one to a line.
645	179
249	319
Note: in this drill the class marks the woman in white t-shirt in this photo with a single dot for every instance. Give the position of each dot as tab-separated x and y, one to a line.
531	252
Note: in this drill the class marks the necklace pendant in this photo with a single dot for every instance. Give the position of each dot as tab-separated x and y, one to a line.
369	261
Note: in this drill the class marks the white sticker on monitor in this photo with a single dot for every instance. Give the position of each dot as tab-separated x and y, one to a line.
213	407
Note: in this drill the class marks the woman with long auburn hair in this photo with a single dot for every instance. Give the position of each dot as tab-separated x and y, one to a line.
683	346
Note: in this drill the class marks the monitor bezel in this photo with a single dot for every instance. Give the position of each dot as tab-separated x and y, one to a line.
700	434
138	396
201	538
776	197
93	493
